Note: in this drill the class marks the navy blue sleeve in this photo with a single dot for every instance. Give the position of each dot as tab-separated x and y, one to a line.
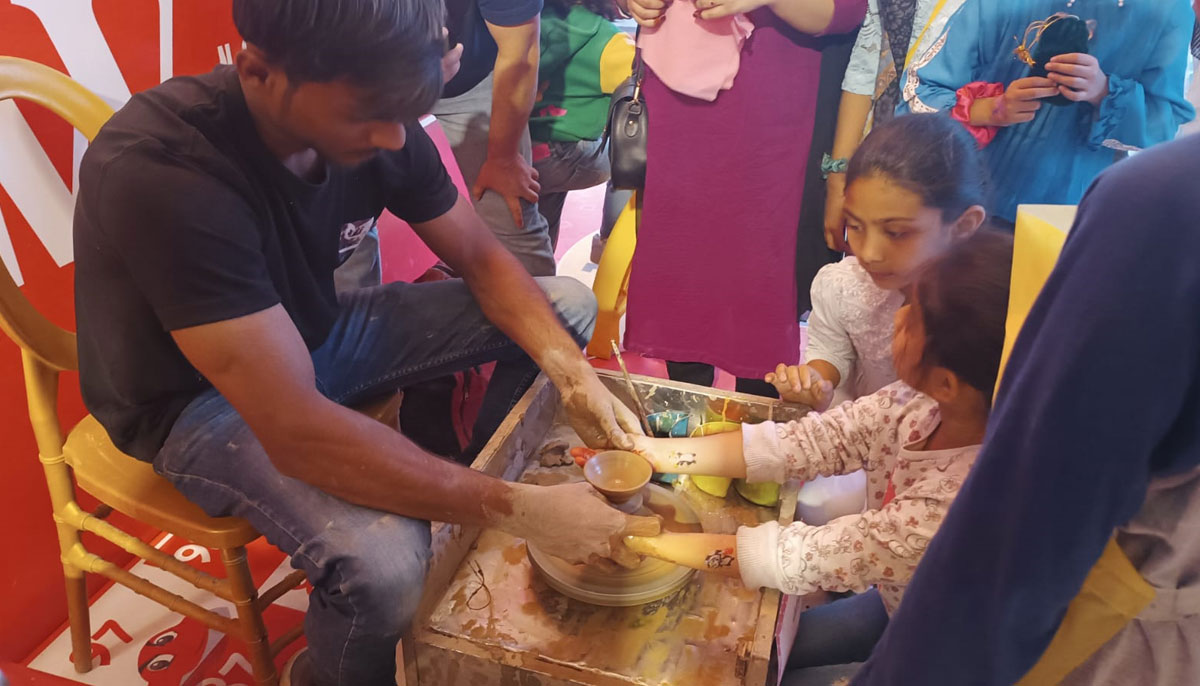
1099	388
509	12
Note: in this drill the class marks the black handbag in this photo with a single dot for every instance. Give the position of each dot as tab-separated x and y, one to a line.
625	134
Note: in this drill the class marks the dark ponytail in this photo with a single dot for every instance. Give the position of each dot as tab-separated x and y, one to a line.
928	154
962	298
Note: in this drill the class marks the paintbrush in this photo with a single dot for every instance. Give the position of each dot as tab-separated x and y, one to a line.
637	398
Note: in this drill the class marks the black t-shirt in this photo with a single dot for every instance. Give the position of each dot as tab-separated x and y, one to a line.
466	21
185	218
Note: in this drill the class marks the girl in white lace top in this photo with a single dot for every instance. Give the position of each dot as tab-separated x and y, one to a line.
916	439
914	188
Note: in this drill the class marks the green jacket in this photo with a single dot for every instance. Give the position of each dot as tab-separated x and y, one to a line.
584	57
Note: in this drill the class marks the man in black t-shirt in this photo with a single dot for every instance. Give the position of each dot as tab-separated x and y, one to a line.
485	114
210	217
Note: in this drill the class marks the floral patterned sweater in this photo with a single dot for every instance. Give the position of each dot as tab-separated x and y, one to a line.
908	494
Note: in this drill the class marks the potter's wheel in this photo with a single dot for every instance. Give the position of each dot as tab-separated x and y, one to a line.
601	585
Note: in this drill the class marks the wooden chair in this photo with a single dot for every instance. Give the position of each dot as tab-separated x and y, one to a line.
88	458
612	280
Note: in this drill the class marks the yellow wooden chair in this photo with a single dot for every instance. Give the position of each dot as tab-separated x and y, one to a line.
119	481
612	280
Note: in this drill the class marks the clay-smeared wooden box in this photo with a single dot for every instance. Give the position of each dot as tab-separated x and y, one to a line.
489	618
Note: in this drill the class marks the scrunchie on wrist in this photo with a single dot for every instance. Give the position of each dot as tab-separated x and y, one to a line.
967	95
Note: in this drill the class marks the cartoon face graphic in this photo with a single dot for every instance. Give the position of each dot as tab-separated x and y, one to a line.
170	655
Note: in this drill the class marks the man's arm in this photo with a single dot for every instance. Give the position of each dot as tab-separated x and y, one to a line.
257	359
512	300
508	296
514	88
315	440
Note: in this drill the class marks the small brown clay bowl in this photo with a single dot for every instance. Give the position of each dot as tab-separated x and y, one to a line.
618	475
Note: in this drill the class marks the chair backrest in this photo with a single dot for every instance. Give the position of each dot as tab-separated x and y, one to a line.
1040	233
26	80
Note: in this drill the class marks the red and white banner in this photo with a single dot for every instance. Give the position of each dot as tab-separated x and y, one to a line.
135	641
114	48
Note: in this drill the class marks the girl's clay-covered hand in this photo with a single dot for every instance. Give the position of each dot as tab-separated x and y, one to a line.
1018	105
648	13
573	522
654	450
1078	77
802	384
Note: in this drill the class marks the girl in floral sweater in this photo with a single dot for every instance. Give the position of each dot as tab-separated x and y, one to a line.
916	440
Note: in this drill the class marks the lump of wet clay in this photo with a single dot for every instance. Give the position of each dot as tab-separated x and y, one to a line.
554	454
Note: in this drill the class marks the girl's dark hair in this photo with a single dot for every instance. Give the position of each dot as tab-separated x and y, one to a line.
928	154
962	298
605	8
392	49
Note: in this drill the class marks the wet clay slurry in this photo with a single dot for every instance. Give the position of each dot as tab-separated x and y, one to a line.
514	554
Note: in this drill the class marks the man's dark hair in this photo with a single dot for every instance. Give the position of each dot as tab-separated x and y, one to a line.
391	49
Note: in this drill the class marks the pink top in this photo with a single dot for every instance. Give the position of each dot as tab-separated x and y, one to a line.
695	57
686	303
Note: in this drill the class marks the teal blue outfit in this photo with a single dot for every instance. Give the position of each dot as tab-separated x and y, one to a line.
1141	45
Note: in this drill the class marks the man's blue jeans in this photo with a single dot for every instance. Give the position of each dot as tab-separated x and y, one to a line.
367	567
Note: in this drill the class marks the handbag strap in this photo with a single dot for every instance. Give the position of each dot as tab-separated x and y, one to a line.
639	66
639	74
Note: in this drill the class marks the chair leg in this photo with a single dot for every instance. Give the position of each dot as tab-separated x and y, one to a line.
254	630
608	328
77	613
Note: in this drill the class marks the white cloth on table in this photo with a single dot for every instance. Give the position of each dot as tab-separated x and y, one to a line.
826	498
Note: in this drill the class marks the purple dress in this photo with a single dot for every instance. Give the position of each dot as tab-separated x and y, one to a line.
713	278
